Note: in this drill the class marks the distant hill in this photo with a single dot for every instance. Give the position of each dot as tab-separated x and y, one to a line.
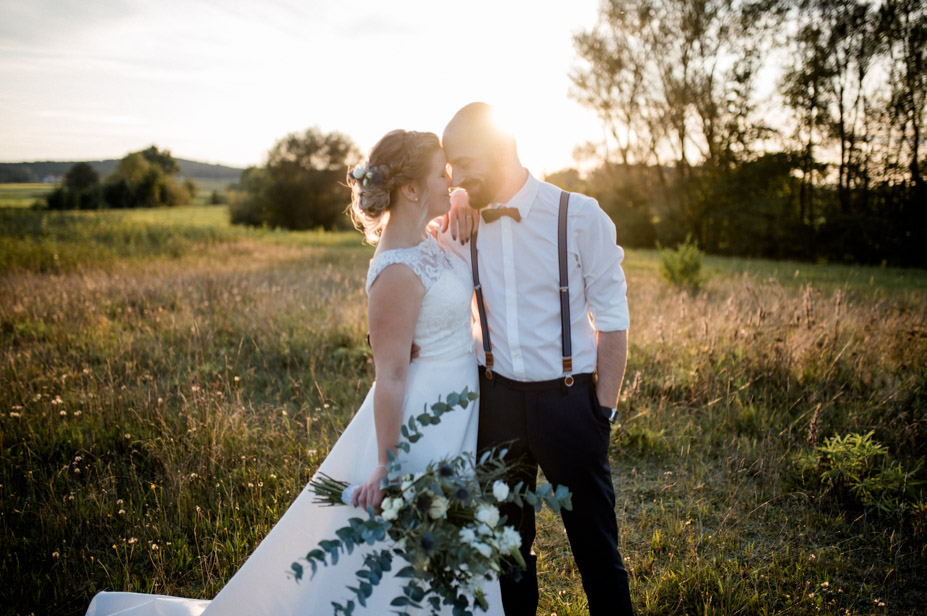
40	171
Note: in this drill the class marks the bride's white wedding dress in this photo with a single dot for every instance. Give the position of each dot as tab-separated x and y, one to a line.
263	585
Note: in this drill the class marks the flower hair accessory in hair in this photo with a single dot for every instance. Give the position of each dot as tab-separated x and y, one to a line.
366	175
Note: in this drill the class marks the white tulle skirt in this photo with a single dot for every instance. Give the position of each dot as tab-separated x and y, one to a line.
264	585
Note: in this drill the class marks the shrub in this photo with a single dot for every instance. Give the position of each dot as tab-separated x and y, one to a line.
855	469
682	267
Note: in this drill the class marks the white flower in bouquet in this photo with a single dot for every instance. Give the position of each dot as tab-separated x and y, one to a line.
484	549
467	535
500	490
438	507
488	515
509	540
391	507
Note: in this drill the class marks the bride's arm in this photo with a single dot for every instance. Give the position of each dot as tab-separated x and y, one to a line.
393	304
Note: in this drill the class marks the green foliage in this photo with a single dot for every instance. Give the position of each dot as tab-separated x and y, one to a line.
682	267
856	469
80	190
147	179
300	187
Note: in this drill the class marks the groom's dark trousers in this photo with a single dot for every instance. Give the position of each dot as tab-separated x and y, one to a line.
563	430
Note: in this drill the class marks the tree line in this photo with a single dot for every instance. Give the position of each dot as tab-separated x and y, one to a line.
147	178
825	165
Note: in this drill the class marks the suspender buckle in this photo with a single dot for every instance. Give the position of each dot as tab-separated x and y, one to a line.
489	359
568	380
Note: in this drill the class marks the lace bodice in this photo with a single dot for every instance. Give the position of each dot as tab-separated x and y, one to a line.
443	327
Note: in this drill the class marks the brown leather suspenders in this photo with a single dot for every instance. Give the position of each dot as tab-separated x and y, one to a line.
565	334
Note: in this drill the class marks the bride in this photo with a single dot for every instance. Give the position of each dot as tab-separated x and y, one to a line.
416	291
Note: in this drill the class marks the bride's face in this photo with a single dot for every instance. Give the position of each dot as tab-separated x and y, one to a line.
438	184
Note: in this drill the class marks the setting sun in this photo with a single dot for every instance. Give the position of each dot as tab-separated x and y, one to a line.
220	83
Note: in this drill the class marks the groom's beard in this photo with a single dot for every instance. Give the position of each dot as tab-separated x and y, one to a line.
481	190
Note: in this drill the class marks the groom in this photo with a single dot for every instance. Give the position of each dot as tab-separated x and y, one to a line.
550	374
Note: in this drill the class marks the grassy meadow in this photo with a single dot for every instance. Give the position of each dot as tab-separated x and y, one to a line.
170	383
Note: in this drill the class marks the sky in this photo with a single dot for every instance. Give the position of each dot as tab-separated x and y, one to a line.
222	80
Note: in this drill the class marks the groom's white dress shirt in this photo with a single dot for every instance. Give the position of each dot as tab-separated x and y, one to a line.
519	272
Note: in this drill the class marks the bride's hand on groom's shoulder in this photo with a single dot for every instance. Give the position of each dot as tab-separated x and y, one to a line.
461	219
369	492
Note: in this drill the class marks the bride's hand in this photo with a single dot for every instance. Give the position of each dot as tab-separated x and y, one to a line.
461	219
369	492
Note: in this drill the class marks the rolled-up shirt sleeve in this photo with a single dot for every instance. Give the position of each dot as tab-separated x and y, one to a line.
600	258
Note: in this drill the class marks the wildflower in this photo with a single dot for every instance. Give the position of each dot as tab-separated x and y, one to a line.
132	540
15	414
63	413
122	512
500	490
55	554
154	547
462	494
446	471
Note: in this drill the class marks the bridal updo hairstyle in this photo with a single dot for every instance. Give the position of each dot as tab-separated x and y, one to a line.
401	157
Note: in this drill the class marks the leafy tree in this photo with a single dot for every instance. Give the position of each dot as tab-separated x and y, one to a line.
147	179
301	186
80	190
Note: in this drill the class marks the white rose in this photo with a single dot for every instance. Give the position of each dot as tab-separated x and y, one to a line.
358	173
438	507
488	515
500	490
391	508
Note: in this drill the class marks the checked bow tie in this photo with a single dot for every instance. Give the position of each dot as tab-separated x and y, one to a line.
496	213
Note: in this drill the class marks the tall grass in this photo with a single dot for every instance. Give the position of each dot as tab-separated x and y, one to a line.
160	409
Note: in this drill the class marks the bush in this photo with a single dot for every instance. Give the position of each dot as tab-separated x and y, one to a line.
80	190
682	267
856	470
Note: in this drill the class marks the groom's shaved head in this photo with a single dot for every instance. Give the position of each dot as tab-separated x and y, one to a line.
477	121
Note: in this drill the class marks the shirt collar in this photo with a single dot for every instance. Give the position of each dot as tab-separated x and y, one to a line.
524	198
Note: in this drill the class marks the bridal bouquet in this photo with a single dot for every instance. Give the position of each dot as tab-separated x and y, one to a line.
443	522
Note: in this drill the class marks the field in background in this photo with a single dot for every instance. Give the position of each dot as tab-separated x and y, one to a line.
171	382
24	195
